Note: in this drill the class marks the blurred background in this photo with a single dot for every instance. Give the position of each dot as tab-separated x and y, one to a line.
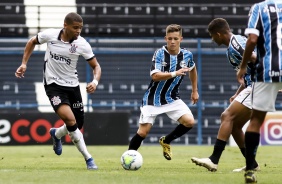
124	36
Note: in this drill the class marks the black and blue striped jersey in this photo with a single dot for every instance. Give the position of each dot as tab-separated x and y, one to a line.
234	53
167	91
265	21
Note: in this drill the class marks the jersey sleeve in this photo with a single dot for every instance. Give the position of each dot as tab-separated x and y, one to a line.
253	22
44	36
157	62
87	52
191	63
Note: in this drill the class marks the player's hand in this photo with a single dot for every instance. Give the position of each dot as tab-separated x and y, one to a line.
20	71
232	98
240	75
91	87
194	97
182	71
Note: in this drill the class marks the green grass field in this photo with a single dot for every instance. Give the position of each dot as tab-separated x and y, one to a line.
39	165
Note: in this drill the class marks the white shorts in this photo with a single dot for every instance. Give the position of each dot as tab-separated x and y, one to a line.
244	97
264	95
174	111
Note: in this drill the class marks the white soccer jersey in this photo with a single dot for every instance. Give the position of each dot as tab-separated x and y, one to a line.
61	57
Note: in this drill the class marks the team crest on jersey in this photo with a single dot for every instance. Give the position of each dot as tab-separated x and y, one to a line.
56	100
164	63
183	64
73	48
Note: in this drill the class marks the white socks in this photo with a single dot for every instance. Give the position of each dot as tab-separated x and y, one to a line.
61	131
78	140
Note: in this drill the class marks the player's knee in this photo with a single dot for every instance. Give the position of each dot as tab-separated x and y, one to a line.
225	116
189	122
143	132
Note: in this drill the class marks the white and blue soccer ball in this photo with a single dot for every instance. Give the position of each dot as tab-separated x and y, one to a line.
131	160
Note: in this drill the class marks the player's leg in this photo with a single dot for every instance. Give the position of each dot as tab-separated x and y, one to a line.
178	111
228	118
54	93
232	120
239	121
56	135
261	106
66	114
144	128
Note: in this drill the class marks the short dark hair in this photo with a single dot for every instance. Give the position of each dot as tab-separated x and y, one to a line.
73	17
173	28
219	25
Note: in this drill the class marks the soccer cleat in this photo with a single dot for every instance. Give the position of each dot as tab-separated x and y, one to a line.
166	148
91	164
205	162
244	169
250	177
57	144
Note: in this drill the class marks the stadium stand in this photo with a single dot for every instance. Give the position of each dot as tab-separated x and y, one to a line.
12	19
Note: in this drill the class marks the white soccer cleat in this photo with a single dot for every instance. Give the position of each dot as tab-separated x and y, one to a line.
205	162
244	169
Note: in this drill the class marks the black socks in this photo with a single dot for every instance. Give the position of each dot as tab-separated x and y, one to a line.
217	151
252	143
135	142
177	132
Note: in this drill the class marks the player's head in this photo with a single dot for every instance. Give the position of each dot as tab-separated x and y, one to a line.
73	24
173	38
219	30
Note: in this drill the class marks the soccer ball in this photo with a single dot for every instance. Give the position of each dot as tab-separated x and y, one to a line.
131	160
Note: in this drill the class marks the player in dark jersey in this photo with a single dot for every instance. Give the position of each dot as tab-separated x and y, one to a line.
170	64
64	46
264	32
239	110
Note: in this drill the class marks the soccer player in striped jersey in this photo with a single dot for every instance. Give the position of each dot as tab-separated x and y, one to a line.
170	64
60	78
264	31
238	113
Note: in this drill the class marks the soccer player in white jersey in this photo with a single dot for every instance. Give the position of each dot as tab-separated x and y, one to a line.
60	79
239	110
264	32
169	66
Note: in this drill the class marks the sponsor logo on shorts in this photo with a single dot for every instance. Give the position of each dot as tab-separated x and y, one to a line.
77	105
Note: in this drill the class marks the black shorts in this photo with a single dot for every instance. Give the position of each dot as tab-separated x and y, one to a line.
66	95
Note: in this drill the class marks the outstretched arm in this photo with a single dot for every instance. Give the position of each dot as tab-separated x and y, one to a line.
27	53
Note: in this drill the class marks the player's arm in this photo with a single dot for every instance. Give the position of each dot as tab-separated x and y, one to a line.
91	87
27	53
194	81
250	46
253	57
241	88
160	76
